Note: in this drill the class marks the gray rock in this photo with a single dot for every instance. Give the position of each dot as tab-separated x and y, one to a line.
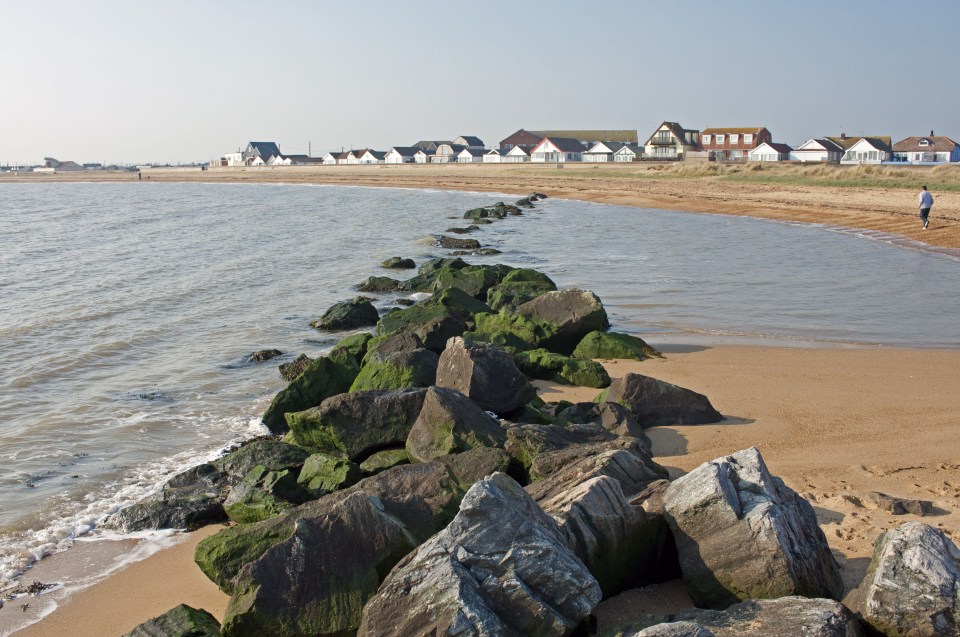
613	417
784	617
383	345
323	473
348	315
453	243
398	263
397	370
356	424
383	460
181	621
449	422
899	506
655	402
271	453
575	312
622	459
501	567
290	371
912	586
264	355
742	534
263	494
484	373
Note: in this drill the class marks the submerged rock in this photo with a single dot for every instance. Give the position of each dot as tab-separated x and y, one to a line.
398	263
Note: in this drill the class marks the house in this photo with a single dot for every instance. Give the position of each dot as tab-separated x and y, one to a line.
770	151
492	156
470	142
932	149
470	155
423	156
428	145
330	159
279	160
400	155
51	164
671	141
817	150
304	160
521	139
590	137
557	149
368	156
349	158
517	155
733	144
867	150
262	150
446	152
612	152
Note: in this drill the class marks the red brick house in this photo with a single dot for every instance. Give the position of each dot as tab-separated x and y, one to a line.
733	144
522	138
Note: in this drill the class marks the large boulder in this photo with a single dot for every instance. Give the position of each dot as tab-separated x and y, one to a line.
575	313
527	443
614	345
397	370
398	263
501	567
384	345
271	453
356	424
547	365
484	373
327	376
181	621
449	422
783	617
433	265
510	330
613	417
656	402
356	344
518	287
323	473
348	315
743	534
448	303
453	243
912	586
475	280
379	284
263	494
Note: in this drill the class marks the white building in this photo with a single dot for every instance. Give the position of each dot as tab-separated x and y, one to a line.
516	155
470	155
234	159
400	155
330	159
672	141
932	149
770	151
817	150
868	150
557	150
423	156
492	156
612	152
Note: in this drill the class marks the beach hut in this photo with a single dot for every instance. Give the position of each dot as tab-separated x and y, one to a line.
601	151
330	159
557	150
423	156
470	155
368	156
400	155
492	156
516	155
628	152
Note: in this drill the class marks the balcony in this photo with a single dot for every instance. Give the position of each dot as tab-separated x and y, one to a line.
663	140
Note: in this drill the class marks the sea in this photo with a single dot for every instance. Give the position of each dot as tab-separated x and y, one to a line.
128	312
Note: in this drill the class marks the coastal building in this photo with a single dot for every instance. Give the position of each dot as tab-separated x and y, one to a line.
368	156
612	152
492	156
521	139
557	150
470	155
330	159
733	144
867	150
446	152
770	151
400	155
423	156
590	137
470	142
517	155
53	165
259	153
817	150
671	141
430	146
932	149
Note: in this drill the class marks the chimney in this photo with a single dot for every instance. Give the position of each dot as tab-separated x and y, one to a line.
843	136
931	132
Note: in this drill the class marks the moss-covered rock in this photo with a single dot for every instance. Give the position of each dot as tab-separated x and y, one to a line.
574	314
451	302
398	370
271	453
327	376
180	621
383	460
263	494
348	315
356	344
428	267
545	365
323	473
475	280
449	422
221	556
598	344
508	330
290	371
379	284
398	263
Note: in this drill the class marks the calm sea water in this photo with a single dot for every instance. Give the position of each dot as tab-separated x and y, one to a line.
128	311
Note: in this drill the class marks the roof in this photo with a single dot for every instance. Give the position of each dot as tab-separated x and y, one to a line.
470	141
780	148
634	148
454	148
612	146
265	149
677	130
425	151
826	143
847	142
629	136
493	151
474	152
304	159
405	151
935	143
565	144
428	144
379	154
521	137
755	130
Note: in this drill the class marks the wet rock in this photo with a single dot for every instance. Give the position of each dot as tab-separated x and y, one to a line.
742	534
181	621
271	453
518	287
323	473
356	344
264	355
614	345
510	331
575	313
912	584
379	284
484	373
501	567
290	371
263	494
440	263
398	263
398	370
546	365
353	425
449	422
655	402
348	315
453	243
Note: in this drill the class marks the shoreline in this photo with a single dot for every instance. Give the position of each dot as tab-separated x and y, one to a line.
830	422
875	208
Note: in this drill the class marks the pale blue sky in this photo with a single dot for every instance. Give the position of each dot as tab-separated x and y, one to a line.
181	81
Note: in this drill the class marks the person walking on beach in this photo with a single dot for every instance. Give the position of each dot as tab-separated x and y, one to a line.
926	202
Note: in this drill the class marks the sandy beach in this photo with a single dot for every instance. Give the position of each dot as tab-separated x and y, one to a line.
836	424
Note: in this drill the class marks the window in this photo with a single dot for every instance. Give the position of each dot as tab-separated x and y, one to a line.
719	139
924	142
734	138
748	138
706	139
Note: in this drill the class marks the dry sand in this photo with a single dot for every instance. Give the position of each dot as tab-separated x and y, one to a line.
835	424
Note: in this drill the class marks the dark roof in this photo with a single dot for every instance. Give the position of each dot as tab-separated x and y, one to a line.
613	146
265	149
521	137
935	143
406	151
629	136
379	154
780	148
474	152
881	142
829	144
455	148
566	144
304	159
678	131
428	144
471	141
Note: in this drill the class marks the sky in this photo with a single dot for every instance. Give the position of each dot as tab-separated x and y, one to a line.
185	81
